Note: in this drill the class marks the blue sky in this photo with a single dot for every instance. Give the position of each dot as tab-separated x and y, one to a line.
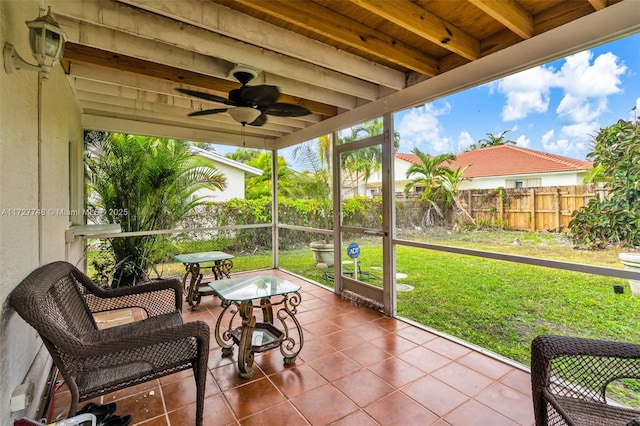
556	108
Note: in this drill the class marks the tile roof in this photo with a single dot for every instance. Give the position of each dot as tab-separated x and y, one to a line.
507	160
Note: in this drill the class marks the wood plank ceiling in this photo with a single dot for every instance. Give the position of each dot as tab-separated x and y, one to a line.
126	58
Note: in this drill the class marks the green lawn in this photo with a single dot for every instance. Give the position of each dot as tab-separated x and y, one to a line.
498	305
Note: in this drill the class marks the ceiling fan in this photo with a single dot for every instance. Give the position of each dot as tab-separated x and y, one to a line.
248	104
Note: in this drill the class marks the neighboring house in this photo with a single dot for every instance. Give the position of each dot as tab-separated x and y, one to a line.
511	166
506	166
234	171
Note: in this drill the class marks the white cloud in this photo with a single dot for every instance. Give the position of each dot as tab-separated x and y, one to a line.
523	141
526	92
574	140
587	86
634	113
420	127
585	82
464	140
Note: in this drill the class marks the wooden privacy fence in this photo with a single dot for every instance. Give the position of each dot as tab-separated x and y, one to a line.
530	209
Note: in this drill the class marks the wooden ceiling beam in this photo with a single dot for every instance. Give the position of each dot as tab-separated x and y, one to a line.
508	13
80	53
327	23
231	23
425	24
121	28
599	4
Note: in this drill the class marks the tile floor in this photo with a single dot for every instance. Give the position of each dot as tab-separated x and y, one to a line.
356	367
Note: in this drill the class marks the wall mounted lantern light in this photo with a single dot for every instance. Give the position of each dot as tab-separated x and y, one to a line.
46	39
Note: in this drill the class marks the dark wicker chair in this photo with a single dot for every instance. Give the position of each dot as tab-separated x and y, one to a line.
58	301
569	378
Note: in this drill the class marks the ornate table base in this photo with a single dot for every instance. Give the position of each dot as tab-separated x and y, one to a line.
193	279
254	337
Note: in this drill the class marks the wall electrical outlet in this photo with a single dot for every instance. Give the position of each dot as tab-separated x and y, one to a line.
22	397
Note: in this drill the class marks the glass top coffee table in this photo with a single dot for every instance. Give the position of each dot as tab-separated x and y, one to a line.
244	295
220	264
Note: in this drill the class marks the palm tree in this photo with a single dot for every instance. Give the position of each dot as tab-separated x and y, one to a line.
365	161
492	140
429	174
451	181
144	184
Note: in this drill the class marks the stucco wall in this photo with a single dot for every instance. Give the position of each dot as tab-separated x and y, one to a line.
546	179
235	185
40	131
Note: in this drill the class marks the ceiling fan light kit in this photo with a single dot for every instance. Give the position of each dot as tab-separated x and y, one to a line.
244	115
248	104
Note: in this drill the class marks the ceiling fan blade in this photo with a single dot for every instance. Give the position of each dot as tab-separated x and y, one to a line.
262	96
207	96
262	118
207	112
282	109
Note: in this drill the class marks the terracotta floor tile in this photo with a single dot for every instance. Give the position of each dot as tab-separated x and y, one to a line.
300	379
447	348
509	402
474	413
322	328
519	380
396	371
334	366
315	303
314	349
228	376
124	393
142	406
217	360
182	392
482	364
390	324
367	332
253	397
358	418
425	359
309	317
278	415
435	395
216	412
323	405
162	420
394	344
366	354
416	335
462	378
272	362
350	320
399	409
363	387
356	367
342	340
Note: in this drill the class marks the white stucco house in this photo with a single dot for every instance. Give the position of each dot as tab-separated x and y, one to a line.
234	171
506	166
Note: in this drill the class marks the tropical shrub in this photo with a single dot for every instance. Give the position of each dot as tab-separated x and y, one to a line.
616	220
144	184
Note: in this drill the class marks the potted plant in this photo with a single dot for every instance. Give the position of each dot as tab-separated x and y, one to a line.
318	189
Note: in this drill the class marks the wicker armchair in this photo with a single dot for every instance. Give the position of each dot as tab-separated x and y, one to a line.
58	301
569	378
